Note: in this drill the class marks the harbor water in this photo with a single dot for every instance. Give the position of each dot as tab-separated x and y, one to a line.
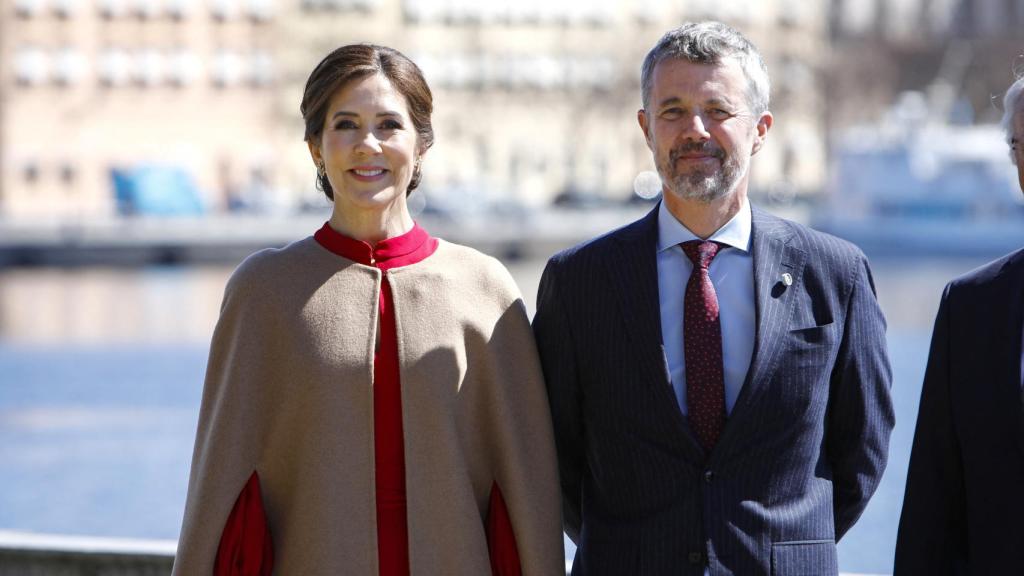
101	372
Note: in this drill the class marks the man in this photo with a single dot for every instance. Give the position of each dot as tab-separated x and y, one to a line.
730	416
963	511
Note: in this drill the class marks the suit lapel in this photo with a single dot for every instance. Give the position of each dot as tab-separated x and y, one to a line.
1010	289
633	276
773	257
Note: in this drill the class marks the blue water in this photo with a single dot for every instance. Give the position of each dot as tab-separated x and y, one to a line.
97	440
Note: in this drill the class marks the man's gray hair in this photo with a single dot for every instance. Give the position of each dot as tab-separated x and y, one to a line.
709	43
1011	105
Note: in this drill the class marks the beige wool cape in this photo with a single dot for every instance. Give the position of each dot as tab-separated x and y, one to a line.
289	394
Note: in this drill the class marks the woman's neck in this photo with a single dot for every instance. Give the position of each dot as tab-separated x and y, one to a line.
372	226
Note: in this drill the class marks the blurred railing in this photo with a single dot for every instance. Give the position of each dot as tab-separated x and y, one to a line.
211	239
23	554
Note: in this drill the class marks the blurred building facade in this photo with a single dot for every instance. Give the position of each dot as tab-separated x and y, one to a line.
533	98
92	86
961	54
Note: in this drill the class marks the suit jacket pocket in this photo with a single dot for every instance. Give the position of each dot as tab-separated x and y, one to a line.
813	334
805	558
811	348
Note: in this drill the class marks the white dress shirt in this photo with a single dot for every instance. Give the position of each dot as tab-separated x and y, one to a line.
732	274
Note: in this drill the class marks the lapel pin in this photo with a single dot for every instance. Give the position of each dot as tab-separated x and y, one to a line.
787	278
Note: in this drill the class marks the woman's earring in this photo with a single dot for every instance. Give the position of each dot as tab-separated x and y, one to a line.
322	168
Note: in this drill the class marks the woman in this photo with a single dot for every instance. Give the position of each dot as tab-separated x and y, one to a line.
373	399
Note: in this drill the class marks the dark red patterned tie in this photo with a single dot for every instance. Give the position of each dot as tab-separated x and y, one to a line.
702	347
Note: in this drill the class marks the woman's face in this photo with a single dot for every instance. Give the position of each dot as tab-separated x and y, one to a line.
369	145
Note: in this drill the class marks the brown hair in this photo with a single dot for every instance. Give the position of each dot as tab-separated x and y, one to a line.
357	61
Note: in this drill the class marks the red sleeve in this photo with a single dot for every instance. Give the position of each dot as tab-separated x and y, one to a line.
245	545
501	541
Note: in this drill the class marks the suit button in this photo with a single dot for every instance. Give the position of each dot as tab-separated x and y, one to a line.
696	558
709	476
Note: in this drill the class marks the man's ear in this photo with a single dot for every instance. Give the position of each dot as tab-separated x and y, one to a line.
641	118
764	124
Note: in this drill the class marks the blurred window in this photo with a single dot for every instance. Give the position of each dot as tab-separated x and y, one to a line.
68	173
183	68
29	8
30	172
224	10
492	12
421	11
516	72
340	5
67	8
261	69
70	66
146	9
115	67
699	9
260	10
525	11
462	71
649	11
541	12
227	69
463	12
149	68
111	9
545	72
429	65
595	12
590	73
31	66
179	9
792	12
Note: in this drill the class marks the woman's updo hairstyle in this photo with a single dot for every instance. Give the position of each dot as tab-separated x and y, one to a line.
355	62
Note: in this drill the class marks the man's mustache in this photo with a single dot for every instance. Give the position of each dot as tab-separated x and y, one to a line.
695	148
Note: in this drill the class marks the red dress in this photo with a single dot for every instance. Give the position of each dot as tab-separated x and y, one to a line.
246	547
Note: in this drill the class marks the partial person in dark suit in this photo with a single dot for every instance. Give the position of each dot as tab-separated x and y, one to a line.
963	510
718	376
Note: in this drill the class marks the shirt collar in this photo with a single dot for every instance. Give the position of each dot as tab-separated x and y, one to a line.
403	250
734	233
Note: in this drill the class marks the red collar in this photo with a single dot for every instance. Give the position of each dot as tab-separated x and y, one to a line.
409	248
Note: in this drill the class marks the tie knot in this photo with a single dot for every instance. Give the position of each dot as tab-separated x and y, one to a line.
700	252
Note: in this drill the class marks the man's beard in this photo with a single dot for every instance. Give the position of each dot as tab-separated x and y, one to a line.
700	185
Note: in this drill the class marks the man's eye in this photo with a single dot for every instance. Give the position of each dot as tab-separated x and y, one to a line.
672	113
719	114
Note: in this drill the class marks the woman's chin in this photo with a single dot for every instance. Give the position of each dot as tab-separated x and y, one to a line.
379	201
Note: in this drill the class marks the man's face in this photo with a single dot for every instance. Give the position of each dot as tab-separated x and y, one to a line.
699	126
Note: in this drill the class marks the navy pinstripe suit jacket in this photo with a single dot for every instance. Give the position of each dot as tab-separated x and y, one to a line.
963	511
802	450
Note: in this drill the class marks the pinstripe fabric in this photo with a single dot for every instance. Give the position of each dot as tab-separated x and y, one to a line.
965	486
800	454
